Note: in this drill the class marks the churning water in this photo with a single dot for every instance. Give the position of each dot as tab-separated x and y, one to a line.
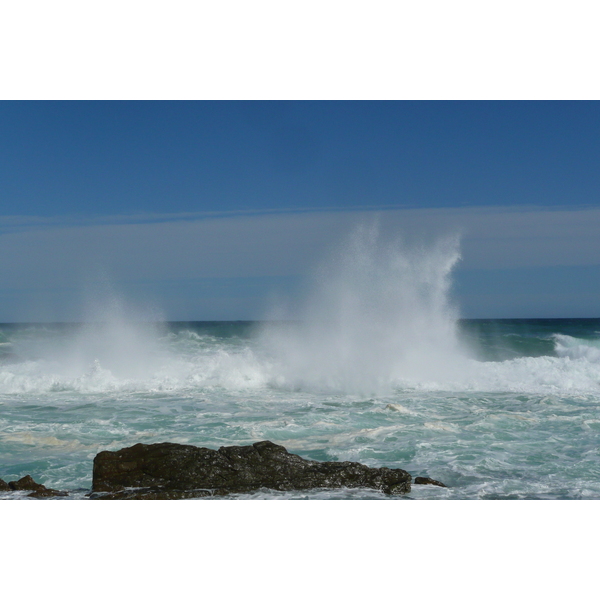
376	367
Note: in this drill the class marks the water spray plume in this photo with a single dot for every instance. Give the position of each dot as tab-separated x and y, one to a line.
378	314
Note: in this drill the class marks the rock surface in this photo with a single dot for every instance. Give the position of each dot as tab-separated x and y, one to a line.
429	481
38	490
172	471
4	487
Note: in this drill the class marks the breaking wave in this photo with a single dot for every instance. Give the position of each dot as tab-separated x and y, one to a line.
377	318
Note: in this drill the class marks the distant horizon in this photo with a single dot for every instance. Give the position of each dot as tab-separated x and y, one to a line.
175	322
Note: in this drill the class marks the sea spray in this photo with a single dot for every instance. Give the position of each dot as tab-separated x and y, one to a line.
117	340
378	314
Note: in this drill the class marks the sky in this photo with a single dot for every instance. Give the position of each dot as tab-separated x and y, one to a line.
210	210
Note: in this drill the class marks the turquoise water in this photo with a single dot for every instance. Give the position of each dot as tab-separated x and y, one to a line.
493	408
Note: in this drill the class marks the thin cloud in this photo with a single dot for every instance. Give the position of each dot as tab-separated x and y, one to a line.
281	245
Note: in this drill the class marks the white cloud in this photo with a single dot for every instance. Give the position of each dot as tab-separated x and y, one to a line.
286	244
40	257
505	238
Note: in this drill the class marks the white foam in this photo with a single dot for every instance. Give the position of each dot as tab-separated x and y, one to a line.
440	426
571	347
31	438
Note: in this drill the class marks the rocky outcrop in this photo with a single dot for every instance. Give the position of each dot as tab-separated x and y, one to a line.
28	484
170	471
4	487
428	481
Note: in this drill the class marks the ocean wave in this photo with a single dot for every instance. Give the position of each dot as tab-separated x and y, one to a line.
215	369
133	359
576	370
576	348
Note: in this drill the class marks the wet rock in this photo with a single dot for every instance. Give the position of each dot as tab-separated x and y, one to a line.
38	490
428	481
4	487
152	494
169	471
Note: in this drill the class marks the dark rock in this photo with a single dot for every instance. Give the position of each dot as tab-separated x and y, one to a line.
38	490
174	471
4	487
152	494
25	483
428	481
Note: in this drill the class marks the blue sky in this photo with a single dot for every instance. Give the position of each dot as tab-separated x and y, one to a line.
208	210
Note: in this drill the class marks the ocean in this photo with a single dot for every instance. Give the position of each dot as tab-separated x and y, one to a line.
520	420
376	367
